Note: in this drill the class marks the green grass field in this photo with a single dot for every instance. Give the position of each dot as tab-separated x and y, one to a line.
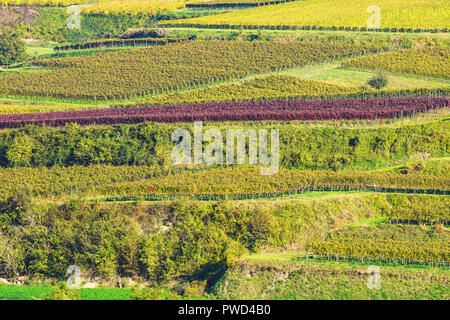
39	50
24	292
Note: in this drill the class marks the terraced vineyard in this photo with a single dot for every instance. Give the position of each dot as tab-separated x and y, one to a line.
231	3
281	86
286	110
406	252
15	108
109	43
308	280
384	243
403	15
261	150
131	183
441	214
118	7
261	88
432	62
127	74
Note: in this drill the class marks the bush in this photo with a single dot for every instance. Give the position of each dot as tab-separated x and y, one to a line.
379	81
13	210
156	293
11	257
12	49
61	292
195	289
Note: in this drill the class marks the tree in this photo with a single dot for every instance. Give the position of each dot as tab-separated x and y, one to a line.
379	81
12	48
20	151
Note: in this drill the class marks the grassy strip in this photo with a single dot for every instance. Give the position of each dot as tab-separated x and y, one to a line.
23	292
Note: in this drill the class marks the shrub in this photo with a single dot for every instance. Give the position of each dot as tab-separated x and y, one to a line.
156	293
12	49
11	257
195	289
379	81
61	292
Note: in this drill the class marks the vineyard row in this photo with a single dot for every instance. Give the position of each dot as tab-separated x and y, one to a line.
302	190
319	256
397	16
176	24
236	183
437	251
420	219
284	110
211	94
110	43
428	61
231	3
